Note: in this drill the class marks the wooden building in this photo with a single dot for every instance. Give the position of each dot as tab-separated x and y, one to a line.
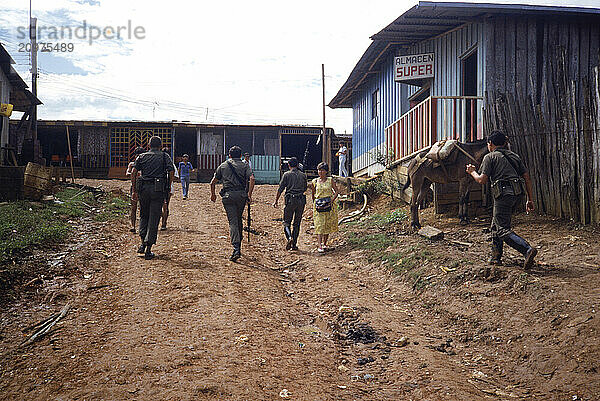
19	146
102	149
458	70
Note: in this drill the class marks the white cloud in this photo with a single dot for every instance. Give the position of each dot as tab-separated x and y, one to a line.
248	62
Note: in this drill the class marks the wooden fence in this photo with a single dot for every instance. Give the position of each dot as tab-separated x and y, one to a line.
559	140
435	118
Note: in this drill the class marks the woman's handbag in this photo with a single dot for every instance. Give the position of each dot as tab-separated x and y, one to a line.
323	204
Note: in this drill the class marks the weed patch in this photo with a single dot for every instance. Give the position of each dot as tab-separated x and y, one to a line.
115	208
370	242
73	202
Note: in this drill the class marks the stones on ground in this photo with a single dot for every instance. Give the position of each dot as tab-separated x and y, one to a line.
445	347
362	333
401	342
284	393
364	361
431	233
243	339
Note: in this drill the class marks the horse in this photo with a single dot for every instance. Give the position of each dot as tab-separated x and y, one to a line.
422	173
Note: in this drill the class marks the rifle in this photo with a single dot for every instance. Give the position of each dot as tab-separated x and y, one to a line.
249	220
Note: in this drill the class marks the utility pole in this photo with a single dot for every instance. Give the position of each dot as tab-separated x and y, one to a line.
323	141
34	77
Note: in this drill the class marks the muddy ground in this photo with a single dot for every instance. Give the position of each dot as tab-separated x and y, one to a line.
361	322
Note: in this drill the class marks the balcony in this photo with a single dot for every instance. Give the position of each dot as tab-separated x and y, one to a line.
434	119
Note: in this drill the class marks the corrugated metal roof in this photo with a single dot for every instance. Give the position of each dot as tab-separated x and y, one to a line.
173	123
20	97
429	19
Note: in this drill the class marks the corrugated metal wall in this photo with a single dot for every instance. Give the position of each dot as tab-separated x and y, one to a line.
368	133
4	98
265	168
448	49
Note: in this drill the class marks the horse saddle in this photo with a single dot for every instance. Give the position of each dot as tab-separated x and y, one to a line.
443	151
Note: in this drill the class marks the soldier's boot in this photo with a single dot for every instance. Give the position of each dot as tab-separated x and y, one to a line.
142	248
235	255
496	258
149	255
522	246
288	237
295	234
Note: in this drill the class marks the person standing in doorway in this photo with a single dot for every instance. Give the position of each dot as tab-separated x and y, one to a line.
247	159
341	154
325	215
510	181
185	168
134	197
238	184
152	187
294	183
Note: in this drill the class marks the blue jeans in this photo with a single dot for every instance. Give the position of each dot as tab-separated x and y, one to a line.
185	185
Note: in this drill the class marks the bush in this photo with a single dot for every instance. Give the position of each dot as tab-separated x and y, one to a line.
373	187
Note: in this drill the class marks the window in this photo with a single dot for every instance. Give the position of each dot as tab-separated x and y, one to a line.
375	104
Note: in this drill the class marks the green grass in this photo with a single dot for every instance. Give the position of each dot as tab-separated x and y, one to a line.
24	225
115	208
75	203
370	242
381	220
402	261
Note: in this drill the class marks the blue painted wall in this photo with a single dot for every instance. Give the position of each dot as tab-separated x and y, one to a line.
265	168
368	133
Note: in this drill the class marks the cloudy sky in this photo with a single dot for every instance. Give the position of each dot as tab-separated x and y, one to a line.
206	61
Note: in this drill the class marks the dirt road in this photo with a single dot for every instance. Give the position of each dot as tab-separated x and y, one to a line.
277	325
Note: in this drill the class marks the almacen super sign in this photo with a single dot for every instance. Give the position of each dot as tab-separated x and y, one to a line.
416	66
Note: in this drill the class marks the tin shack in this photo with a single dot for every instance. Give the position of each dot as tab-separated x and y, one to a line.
458	70
102	149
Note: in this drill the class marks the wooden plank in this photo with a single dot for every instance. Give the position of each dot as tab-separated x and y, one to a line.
532	79
510	59
499	53
550	38
596	144
594	47
522	52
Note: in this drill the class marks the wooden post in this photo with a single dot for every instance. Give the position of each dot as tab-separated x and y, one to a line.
70	156
323	142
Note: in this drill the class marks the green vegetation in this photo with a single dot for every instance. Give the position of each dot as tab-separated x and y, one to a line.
381	220
373	187
403	261
117	207
24	224
371	242
72	202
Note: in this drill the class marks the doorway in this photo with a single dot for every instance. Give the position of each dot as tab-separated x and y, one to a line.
469	88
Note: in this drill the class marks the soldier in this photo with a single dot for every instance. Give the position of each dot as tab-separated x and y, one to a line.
507	173
238	184
152	188
295	184
134	201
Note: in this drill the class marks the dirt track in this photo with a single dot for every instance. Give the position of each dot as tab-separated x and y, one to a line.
192	325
